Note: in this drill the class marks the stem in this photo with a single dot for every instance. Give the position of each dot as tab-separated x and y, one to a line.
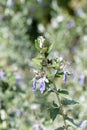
61	108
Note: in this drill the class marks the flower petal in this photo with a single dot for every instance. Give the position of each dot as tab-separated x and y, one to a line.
83	123
65	76
42	87
34	84
34	87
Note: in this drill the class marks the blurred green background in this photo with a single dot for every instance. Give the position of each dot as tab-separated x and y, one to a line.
61	22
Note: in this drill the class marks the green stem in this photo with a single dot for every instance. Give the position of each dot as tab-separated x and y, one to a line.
61	108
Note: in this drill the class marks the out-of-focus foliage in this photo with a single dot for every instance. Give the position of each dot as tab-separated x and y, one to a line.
64	24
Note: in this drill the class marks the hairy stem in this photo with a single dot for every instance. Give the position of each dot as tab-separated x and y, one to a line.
61	108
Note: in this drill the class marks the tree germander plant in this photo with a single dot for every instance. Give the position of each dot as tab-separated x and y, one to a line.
48	70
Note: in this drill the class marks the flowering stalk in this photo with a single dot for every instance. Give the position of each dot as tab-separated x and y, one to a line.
61	108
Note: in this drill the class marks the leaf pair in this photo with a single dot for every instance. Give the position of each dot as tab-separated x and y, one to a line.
44	49
54	111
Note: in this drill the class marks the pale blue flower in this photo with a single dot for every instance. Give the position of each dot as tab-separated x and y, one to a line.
65	76
34	84
10	3
39	1
83	124
17	78
81	79
2	74
36	127
79	12
70	24
18	113
42	87
42	83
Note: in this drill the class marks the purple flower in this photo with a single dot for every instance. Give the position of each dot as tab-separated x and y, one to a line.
42	87
42	83
18	113
83	124
34	84
79	11
10	3
81	79
2	74
36	127
65	76
17	78
70	24
39	1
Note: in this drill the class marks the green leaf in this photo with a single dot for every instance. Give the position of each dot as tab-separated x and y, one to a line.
50	48
37	61
60	128
43	50
64	93
54	104
64	96
48	92
68	102
4	86
37	45
54	111
59	74
55	65
71	122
